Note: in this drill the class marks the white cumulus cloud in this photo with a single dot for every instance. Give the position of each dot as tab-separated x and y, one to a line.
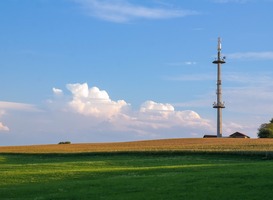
57	91
151	106
164	116
93	101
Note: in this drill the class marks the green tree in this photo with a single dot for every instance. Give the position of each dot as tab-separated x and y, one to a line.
265	133
266	130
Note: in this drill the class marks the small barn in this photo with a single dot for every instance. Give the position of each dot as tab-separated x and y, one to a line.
238	135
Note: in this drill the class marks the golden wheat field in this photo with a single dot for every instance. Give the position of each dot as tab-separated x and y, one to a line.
191	145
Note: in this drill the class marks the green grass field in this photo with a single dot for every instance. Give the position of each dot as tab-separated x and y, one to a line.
162	169
135	176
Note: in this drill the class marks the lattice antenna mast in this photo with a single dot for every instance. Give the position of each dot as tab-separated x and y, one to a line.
219	105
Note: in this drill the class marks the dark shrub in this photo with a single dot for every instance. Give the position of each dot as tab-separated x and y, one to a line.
66	142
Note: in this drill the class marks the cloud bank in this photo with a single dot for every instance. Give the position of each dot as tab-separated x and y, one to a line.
152	118
80	113
121	11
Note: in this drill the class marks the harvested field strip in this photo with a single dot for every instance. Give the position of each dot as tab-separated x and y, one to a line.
168	145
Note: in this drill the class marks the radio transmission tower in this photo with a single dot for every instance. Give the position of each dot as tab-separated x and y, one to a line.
219	105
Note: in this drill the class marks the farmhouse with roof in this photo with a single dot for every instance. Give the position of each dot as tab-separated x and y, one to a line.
238	135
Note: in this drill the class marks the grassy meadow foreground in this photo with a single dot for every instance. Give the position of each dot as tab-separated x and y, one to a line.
163	169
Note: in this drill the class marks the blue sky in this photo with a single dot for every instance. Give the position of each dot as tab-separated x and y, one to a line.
123	70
